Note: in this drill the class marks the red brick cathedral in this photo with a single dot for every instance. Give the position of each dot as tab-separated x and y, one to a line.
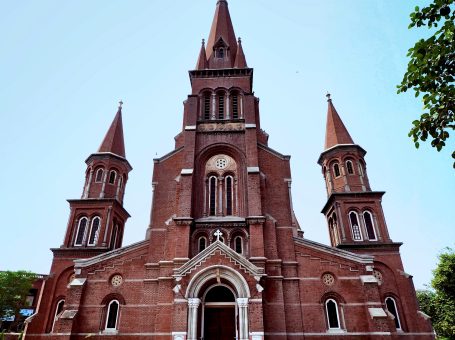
224	256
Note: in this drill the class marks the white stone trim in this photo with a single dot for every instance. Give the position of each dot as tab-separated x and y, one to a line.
377	313
368	279
190	128
186	172
253	169
250	126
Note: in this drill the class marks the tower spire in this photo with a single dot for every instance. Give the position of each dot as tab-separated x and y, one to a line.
336	132
202	63
240	60
113	141
222	29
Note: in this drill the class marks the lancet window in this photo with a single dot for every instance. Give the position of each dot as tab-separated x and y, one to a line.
331	309
369	225
349	167
112	315
94	232
355	226
99	175
80	233
336	170
112	176
392	308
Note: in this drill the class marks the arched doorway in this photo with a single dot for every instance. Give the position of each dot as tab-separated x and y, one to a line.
219	317
218	305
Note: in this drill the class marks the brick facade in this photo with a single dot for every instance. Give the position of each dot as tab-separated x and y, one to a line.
223	239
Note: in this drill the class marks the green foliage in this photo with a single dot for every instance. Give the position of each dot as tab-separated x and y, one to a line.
431	72
14	287
440	302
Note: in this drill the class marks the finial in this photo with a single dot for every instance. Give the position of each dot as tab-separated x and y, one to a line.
203	42
328	97
240	40
120	103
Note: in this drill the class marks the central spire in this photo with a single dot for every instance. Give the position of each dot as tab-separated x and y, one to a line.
222	32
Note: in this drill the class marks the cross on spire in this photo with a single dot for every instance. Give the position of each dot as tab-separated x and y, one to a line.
120	103
218	234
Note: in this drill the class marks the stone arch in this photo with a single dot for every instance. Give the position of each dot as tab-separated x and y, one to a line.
237	281
205	280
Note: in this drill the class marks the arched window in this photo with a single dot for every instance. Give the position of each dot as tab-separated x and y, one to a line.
392	308
94	231
202	243
58	310
114	237
221	106
334	229
212	195
238	244
99	175
80	234
112	176
229	195
120	182
368	218
235	106
355	227
207	106
112	315
336	170
349	167
331	309
360	166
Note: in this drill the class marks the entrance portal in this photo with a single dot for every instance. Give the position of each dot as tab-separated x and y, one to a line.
219	314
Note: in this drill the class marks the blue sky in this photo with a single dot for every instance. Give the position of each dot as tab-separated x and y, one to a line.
65	64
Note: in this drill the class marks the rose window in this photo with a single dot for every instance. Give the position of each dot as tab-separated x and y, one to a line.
221	163
328	279
116	280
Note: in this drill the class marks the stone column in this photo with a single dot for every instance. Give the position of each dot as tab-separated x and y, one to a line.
228	114
193	304
104	183
242	304
213	106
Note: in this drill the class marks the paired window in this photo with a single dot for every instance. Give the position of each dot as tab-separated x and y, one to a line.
368	221
333	318
227	196
392	308
94	231
112	315
223	105
99	175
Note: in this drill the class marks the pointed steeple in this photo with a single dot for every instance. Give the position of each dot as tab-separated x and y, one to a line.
222	28
240	60
336	133
113	141
202	63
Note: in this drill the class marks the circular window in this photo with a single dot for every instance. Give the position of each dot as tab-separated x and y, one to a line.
116	280
221	163
377	274
328	279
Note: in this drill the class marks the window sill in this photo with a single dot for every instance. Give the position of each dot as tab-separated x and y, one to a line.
110	331
336	331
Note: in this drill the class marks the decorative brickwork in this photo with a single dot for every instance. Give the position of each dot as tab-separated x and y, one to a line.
224	256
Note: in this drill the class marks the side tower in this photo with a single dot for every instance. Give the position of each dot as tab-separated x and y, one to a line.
357	224
95	226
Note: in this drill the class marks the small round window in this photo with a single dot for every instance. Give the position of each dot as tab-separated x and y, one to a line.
221	163
328	279
116	280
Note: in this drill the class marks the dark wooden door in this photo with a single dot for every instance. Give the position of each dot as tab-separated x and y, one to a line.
219	323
